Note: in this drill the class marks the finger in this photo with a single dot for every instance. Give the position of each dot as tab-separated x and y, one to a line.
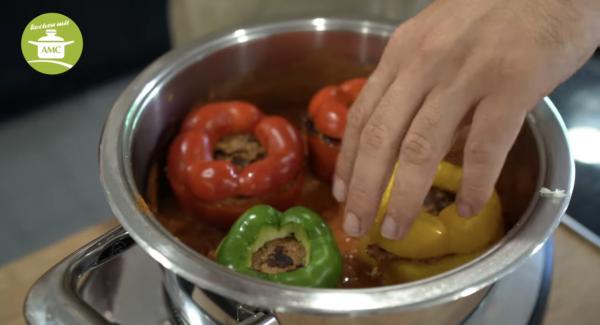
496	124
378	149
361	110
425	144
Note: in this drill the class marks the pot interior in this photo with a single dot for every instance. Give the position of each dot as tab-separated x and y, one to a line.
279	73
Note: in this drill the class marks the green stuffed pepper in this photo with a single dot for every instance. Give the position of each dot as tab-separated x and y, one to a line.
294	247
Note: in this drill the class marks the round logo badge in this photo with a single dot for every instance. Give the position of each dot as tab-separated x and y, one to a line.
51	43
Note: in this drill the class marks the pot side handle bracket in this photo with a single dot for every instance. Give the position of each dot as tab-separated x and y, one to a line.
54	298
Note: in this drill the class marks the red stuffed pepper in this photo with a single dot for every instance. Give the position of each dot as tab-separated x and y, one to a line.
327	113
228	157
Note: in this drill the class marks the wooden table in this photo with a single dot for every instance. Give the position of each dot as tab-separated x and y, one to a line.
574	297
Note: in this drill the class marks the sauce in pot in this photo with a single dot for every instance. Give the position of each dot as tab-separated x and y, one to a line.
205	238
285	92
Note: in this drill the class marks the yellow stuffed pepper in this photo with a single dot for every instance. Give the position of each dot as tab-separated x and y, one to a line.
435	243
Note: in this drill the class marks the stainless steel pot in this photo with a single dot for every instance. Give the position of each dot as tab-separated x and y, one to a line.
288	61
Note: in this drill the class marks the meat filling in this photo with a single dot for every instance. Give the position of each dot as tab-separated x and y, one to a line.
240	149
279	255
436	200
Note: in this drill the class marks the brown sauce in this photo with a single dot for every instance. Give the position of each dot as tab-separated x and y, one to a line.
315	195
205	238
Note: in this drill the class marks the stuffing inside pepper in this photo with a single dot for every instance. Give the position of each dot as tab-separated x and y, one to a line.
279	255
241	149
437	200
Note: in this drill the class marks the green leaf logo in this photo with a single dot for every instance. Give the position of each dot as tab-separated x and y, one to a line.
51	43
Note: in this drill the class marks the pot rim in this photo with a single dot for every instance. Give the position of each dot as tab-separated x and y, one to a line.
116	175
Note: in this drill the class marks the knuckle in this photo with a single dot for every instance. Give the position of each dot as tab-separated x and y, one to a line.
374	136
511	67
432	44
416	149
429	121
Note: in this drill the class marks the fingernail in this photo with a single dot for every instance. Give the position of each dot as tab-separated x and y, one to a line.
389	228
339	189
352	225
464	210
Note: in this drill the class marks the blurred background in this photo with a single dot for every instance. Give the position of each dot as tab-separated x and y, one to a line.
50	125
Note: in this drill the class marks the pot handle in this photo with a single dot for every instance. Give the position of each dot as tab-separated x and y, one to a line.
54	298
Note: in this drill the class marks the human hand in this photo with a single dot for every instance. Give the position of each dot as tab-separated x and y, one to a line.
485	62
